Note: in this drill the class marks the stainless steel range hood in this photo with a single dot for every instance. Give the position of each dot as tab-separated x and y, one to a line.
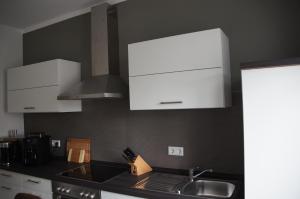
105	81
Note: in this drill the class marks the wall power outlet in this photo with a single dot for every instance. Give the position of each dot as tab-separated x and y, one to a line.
175	151
55	143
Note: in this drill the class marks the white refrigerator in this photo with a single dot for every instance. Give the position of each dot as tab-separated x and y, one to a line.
271	106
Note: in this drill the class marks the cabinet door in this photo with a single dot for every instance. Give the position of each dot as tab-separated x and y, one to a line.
8	191
191	51
109	195
33	100
32	76
182	90
36	184
10	178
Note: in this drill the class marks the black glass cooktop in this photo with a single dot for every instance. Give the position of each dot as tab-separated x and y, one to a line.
95	172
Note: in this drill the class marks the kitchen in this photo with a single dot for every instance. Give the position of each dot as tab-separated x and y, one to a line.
212	138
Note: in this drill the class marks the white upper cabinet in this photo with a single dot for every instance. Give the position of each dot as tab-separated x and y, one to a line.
198	50
186	71
34	88
33	76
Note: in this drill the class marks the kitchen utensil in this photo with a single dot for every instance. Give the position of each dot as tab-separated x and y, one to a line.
130	154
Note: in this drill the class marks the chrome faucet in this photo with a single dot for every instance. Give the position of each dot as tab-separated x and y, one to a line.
193	170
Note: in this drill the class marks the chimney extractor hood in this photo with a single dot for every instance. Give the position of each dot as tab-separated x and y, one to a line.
105	81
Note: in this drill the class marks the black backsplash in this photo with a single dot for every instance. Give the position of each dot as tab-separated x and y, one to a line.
212	138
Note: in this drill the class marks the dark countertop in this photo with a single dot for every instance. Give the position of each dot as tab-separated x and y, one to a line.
44	171
51	172
125	184
122	184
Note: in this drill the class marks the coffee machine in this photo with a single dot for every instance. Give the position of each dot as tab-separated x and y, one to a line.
9	151
36	149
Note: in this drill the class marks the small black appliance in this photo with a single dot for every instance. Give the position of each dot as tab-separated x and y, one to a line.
36	149
9	152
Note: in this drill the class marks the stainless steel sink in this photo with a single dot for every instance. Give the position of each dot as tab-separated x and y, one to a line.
208	188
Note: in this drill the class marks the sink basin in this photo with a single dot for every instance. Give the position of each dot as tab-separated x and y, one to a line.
209	188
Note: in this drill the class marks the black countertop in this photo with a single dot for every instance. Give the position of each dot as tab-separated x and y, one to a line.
125	184
51	172
122	184
47	171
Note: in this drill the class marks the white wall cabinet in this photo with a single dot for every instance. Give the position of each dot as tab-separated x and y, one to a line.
183	90
34	88
109	195
181	72
12	183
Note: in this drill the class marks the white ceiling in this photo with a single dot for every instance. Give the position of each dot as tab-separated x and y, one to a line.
25	14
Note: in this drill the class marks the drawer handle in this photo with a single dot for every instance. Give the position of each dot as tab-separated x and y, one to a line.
171	102
29	108
5	175
6	188
33	181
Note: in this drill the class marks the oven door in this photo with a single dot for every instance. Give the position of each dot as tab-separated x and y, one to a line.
59	196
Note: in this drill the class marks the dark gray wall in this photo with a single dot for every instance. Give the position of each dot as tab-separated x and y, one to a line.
212	137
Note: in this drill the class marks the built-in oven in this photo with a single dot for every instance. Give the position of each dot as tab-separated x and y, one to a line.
70	191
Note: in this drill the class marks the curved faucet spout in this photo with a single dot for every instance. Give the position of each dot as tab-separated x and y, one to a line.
192	176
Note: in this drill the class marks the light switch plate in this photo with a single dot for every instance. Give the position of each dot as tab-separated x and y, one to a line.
175	151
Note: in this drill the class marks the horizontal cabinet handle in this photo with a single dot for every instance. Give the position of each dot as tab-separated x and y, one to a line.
6	188
29	108
33	181
171	102
5	175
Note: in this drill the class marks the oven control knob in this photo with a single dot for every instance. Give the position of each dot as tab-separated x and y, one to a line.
81	194
58	188
68	190
87	195
63	189
92	196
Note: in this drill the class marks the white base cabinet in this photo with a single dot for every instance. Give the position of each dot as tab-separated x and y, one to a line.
109	195
8	191
34	88
12	183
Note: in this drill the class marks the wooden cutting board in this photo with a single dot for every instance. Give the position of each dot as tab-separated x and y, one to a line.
79	150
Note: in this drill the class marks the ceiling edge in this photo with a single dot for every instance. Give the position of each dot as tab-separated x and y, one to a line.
11	28
65	17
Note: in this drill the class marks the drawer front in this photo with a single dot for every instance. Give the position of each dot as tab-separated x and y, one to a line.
32	76
10	178
109	195
182	90
8	191
36	185
33	100
178	53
